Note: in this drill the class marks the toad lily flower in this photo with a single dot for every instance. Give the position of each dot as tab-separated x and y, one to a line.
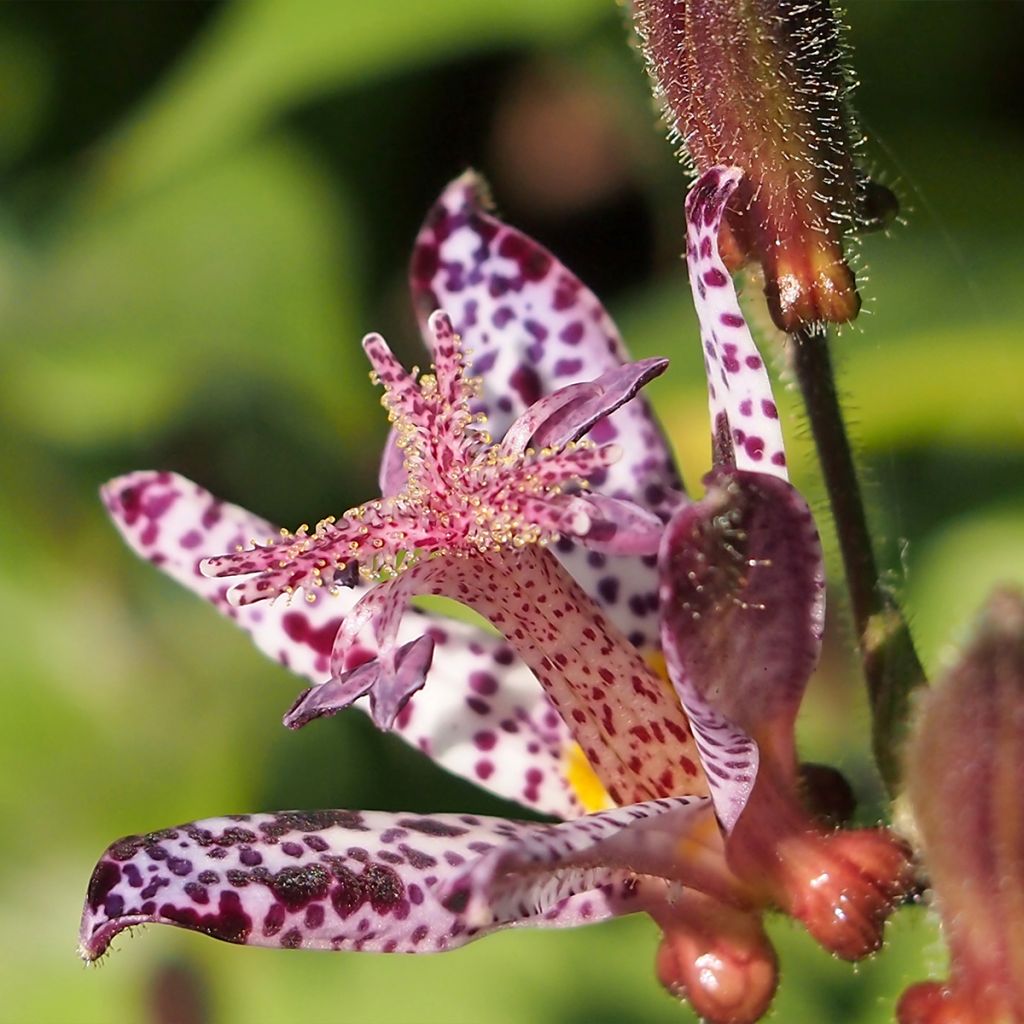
691	780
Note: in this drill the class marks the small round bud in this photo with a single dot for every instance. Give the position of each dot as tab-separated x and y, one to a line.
719	960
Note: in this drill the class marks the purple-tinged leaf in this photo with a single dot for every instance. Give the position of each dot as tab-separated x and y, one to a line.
745	426
742	603
531	327
488	721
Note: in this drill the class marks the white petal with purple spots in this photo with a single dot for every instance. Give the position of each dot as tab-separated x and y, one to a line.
486	718
745	426
408	883
531	327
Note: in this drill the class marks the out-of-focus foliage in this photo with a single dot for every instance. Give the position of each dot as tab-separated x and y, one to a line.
202	209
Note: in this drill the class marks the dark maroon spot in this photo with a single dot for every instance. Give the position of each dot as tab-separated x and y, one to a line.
291	939
608	589
532	261
126	848
425	262
457	902
179	866
104	878
314	916
312	821
113	905
572	333
433	827
525	382
483	683
274	921
292	849
197	893
156	883
298	628
383	886
485	740
297	886
250	858
348	894
234	834
230	923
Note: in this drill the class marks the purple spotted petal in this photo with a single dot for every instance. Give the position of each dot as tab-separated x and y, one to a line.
742	601
571	411
608	524
390	679
488	719
345	880
746	431
532	327
537	872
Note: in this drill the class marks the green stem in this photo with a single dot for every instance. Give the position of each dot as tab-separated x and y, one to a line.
892	669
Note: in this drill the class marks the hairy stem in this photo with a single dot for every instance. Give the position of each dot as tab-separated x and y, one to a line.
891	666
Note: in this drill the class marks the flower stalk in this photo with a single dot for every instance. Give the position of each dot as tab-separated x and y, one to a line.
891	667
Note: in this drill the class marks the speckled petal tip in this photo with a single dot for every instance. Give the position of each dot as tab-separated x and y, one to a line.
348	880
745	426
742	603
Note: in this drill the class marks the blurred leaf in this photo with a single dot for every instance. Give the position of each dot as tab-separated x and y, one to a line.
956	569
900	390
243	271
263	56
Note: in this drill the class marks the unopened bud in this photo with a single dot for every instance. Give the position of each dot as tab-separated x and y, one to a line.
965	768
761	85
718	959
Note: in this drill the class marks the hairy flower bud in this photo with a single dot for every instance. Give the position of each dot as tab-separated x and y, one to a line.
761	85
965	770
718	959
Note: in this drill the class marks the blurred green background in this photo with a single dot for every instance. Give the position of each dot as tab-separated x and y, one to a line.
203	207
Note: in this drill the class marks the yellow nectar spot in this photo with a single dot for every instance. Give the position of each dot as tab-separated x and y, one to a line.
584	782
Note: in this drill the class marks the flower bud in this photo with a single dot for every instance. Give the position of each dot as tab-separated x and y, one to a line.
965	772
760	84
718	959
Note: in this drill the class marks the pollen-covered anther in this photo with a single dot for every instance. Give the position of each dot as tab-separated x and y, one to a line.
459	492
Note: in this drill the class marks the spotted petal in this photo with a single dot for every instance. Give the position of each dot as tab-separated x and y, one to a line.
742	600
489	721
345	880
532	327
746	431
